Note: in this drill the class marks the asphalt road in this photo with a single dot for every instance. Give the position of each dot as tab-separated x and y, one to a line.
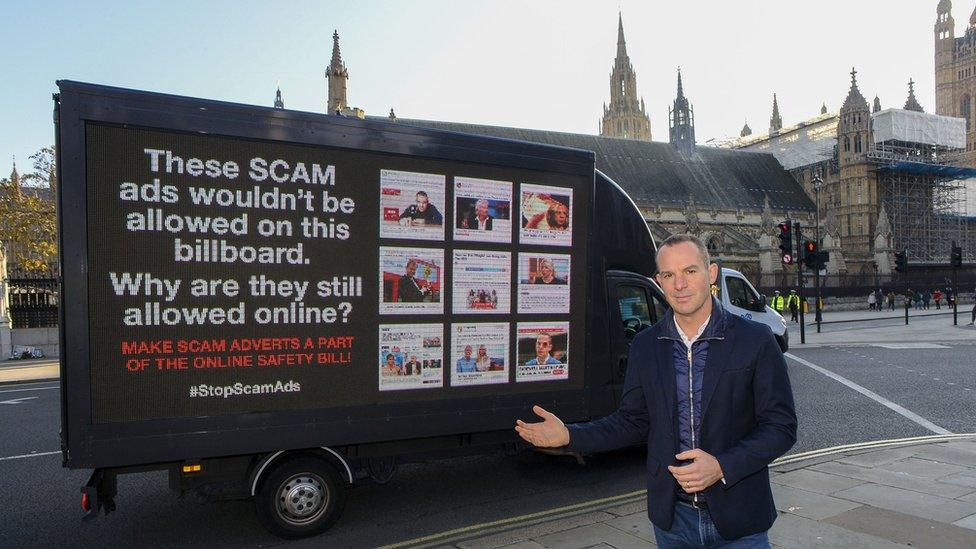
937	385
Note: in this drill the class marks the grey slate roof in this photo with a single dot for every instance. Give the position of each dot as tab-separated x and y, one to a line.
656	173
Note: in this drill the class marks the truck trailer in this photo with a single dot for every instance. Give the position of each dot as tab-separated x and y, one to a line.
276	305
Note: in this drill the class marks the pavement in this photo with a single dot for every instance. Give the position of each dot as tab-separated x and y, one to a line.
917	492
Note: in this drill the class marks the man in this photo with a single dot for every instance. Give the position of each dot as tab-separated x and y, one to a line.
793	303
708	393
412	367
778	302
479	220
409	289
467	363
422	212
543	348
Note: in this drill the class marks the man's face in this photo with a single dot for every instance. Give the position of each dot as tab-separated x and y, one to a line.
467	352
411	268
684	278
562	215
389	361
422	202
543	344
481	210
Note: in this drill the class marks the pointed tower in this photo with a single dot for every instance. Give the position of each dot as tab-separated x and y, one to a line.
15	179
945	70
823	109
279	103
746	130
681	121
912	104
855	195
775	121
877	104
625	116
337	75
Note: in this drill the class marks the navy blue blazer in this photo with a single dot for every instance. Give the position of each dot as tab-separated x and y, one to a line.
748	420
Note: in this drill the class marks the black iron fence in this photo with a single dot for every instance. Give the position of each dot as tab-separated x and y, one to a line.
33	302
862	285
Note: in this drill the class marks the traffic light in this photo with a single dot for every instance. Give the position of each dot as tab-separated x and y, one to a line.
786	242
810	254
901	261
957	257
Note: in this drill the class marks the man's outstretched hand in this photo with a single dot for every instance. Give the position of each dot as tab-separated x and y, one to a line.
549	433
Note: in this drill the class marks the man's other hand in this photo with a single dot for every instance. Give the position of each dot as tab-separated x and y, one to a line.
702	472
551	432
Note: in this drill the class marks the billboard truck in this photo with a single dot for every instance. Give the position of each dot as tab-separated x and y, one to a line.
283	304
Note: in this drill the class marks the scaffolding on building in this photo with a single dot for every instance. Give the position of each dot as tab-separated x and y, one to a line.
921	186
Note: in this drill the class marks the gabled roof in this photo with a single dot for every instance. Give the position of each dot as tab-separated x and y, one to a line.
656	173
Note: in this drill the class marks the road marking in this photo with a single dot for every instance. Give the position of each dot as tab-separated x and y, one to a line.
37	454
31	389
910	346
874	396
15	401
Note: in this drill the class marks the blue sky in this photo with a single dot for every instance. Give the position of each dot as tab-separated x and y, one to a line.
539	64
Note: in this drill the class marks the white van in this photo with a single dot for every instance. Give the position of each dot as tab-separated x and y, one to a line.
739	296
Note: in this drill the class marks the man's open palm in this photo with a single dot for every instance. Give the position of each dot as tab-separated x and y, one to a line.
549	433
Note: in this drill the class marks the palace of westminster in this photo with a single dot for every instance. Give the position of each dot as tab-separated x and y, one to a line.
873	180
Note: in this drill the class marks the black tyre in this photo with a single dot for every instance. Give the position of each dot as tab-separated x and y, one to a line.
302	496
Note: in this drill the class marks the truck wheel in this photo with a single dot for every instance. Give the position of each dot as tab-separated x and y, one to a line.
302	496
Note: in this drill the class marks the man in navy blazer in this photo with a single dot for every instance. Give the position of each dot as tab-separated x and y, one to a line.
708	393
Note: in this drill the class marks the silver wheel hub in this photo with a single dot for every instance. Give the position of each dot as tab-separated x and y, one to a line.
302	498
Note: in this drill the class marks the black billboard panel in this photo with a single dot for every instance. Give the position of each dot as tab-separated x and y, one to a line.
230	275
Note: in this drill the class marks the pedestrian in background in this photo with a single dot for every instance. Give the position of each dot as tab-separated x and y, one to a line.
937	297
872	301
793	303
891	300
779	304
926	298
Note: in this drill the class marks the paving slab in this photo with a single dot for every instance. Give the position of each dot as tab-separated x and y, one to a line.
873	458
970	523
795	531
902	528
815	481
591	536
889	478
922	468
524	533
945	453
909	502
809	504
965	478
971	498
636	525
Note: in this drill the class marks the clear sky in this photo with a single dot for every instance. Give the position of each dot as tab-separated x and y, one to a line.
527	63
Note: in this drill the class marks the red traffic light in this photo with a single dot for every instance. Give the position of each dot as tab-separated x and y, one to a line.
810	246
784	227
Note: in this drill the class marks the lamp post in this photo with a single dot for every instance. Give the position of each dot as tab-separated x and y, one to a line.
817	182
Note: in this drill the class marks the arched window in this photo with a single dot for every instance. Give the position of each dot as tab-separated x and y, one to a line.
847	144
857	143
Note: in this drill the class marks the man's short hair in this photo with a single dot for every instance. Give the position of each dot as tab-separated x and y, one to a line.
423	194
481	201
676	239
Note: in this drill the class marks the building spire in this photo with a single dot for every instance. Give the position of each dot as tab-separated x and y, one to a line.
278	102
681	119
775	121
746	130
15	178
823	108
912	104
854	101
621	43
337	74
877	104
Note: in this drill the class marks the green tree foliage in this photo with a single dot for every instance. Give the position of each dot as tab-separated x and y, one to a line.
28	220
